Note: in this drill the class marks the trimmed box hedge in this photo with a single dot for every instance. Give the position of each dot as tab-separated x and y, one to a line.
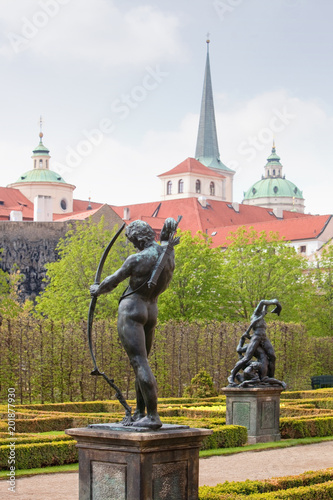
32	455
41	454
310	485
306	427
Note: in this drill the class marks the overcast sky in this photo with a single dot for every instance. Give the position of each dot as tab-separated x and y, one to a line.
119	83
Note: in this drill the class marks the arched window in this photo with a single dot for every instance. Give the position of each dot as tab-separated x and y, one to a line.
197	186
267	173
212	189
46	163
180	186
40	163
169	187
35	163
274	172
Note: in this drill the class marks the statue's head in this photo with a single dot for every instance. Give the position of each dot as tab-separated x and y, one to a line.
140	234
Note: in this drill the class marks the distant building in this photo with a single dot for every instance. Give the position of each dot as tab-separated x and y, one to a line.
205	175
274	190
45	188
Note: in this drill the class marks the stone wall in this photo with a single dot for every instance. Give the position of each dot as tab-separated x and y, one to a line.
29	246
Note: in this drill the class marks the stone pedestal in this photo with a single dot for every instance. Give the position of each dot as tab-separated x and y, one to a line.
121	463
256	408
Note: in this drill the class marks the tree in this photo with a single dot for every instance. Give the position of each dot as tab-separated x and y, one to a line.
320	314
195	291
10	304
263	266
66	296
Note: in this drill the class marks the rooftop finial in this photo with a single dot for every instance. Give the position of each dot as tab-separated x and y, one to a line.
273	149
40	127
208	41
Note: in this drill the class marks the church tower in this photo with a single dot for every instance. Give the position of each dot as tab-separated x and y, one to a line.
44	187
274	190
205	175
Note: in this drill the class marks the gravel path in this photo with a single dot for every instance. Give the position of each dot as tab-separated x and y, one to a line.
213	470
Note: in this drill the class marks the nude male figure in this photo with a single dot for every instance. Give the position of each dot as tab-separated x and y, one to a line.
137	312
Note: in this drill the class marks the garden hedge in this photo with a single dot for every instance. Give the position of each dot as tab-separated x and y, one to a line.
310	485
32	455
306	427
41	454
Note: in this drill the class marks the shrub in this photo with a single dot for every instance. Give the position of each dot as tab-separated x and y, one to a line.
202	386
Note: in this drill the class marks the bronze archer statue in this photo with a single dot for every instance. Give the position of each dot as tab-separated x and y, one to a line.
149	271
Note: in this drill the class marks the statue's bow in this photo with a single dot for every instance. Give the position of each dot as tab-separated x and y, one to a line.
92	306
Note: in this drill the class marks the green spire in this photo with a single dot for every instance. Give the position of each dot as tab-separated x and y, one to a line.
207	145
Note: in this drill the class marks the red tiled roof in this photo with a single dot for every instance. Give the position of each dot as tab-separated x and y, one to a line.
13	199
196	218
75	216
82	205
302	228
194	166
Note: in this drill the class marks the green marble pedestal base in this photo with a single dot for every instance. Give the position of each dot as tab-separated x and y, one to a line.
120	463
256	408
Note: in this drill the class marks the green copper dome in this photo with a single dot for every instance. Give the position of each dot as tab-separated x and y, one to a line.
273	185
41	175
273	188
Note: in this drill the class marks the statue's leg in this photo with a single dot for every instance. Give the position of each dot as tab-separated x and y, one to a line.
242	363
132	332
269	349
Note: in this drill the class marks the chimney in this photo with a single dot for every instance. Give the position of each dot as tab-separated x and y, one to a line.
126	213
15	216
43	209
203	201
278	212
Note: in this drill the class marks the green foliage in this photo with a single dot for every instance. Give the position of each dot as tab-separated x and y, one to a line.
196	290
263	266
202	386
227	436
29	456
310	485
306	427
10	305
319	318
66	296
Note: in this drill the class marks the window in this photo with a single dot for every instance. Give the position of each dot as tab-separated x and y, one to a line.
46	163
63	204
274	172
275	189
212	189
302	249
197	186
35	163
180	186
268	173
169	187
40	163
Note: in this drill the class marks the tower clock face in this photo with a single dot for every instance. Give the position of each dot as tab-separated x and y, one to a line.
63	204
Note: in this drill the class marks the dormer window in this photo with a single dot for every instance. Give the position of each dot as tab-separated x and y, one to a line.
180	186
169	187
197	186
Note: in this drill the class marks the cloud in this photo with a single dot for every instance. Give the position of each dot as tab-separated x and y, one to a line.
301	129
83	31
